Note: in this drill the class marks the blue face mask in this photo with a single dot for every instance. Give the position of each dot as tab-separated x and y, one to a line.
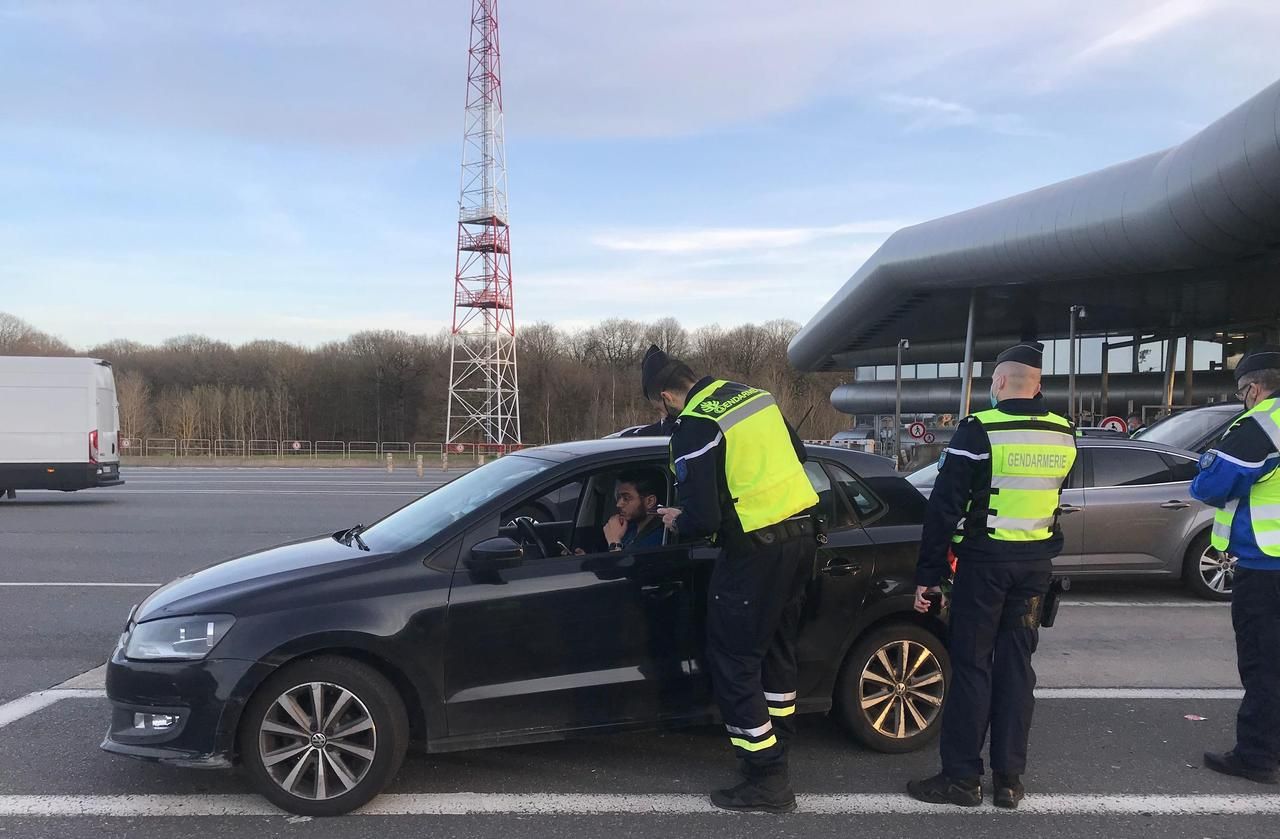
994	400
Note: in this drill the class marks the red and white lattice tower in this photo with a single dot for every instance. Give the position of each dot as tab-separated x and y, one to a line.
484	404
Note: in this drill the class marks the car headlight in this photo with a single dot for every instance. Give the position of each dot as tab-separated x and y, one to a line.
184	639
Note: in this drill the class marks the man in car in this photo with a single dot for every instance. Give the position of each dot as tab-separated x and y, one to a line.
1135	424
1239	478
637	522
995	501
741	481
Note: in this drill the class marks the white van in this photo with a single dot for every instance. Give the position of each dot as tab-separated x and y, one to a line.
59	424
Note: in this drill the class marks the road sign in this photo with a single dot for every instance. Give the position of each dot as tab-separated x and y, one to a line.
459	448
296	446
124	444
916	430
929	438
1115	424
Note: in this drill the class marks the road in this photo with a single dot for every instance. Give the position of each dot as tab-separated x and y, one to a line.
1135	682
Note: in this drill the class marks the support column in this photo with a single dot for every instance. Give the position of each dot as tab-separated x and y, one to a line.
1106	374
1170	362
1188	378
966	371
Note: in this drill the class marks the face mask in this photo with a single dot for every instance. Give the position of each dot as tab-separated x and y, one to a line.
994	400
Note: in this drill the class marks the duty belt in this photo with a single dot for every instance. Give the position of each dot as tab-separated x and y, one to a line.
792	528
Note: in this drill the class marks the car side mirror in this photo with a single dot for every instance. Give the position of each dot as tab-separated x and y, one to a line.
496	554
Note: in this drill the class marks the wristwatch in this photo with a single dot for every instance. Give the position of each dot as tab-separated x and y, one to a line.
615	546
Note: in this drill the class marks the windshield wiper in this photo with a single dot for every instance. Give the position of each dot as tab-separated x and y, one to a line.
352	533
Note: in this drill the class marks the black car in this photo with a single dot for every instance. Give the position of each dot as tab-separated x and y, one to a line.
467	619
1195	429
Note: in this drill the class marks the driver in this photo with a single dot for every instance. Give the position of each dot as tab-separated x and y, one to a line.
637	523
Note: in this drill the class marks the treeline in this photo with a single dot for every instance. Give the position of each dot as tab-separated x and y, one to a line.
393	386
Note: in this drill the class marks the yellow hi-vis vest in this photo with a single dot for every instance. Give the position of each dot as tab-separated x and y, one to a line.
1031	457
1264	495
764	477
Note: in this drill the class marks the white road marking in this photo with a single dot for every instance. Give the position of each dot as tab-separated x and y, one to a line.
79	585
1139	693
554	804
11	712
95	679
1150	604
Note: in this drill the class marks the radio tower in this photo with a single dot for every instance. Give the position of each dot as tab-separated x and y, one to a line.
484	404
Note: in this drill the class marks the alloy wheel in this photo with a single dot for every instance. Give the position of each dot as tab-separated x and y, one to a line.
317	741
901	689
1218	570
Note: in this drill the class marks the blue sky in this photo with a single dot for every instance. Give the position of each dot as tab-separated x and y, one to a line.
290	169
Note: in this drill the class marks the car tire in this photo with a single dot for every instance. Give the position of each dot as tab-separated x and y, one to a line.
887	717
284	767
1201	569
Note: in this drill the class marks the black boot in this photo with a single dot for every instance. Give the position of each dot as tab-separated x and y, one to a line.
760	794
940	789
1228	764
1007	790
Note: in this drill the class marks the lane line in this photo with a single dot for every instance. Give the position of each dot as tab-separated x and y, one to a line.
1149	604
11	712
79	585
1139	693
560	804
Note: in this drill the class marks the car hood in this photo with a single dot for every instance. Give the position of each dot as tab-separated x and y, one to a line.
215	588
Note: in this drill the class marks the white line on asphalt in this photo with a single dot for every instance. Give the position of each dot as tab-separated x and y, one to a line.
1139	693
11	712
79	585
551	804
1148	604
126	491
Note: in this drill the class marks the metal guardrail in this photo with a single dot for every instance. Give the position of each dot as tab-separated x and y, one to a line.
229	448
139	447
396	448
160	446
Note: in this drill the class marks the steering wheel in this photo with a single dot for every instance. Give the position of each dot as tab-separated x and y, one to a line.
529	533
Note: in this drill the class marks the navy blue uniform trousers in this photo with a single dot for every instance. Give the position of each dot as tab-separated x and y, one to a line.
992	681
1255	614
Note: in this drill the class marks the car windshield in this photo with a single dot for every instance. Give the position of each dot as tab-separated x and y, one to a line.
419	521
1184	430
924	476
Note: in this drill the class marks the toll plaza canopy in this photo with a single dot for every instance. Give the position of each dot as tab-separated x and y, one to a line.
1181	242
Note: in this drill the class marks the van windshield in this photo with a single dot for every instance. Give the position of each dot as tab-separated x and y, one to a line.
424	518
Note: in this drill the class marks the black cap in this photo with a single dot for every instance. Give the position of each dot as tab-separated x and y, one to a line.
1267	358
1030	353
654	371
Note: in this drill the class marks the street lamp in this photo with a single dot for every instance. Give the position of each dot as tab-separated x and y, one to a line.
903	344
1076	312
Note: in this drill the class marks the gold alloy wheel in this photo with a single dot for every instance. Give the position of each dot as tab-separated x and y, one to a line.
901	689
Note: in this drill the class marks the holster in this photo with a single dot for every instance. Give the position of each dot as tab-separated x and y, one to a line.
1049	607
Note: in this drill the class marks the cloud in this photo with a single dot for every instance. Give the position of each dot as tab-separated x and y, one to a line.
737	238
930	112
1147	26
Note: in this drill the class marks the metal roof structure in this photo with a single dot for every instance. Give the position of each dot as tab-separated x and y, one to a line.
1184	241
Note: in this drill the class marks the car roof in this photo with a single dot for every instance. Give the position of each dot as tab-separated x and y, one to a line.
863	463
1129	443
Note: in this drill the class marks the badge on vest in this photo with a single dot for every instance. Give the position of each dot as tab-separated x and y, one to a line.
682	471
942	458
1208	459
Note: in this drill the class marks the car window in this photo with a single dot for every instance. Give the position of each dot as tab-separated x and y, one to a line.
558	504
1076	479
417	522
864	501
826	508
1184	430
1116	467
1182	468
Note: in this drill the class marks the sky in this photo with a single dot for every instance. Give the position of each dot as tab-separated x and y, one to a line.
290	170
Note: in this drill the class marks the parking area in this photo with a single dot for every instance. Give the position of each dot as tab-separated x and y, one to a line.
1135	682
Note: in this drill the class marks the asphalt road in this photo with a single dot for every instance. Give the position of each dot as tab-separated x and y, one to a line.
1103	763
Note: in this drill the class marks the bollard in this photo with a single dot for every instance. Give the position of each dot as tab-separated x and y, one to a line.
390	466
479	457
419	466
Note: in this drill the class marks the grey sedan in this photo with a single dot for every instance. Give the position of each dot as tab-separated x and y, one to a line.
1128	511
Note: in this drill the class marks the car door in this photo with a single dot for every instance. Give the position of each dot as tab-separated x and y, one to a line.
569	642
1073	514
1136	513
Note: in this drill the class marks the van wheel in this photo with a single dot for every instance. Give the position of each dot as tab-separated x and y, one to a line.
323	736
1208	572
890	692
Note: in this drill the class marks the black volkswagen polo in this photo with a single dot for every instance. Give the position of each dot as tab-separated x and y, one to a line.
489	613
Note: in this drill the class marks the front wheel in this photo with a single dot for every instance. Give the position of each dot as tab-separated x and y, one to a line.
1208	572
890	692
323	736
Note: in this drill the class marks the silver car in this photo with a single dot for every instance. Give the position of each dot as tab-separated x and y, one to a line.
1128	511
